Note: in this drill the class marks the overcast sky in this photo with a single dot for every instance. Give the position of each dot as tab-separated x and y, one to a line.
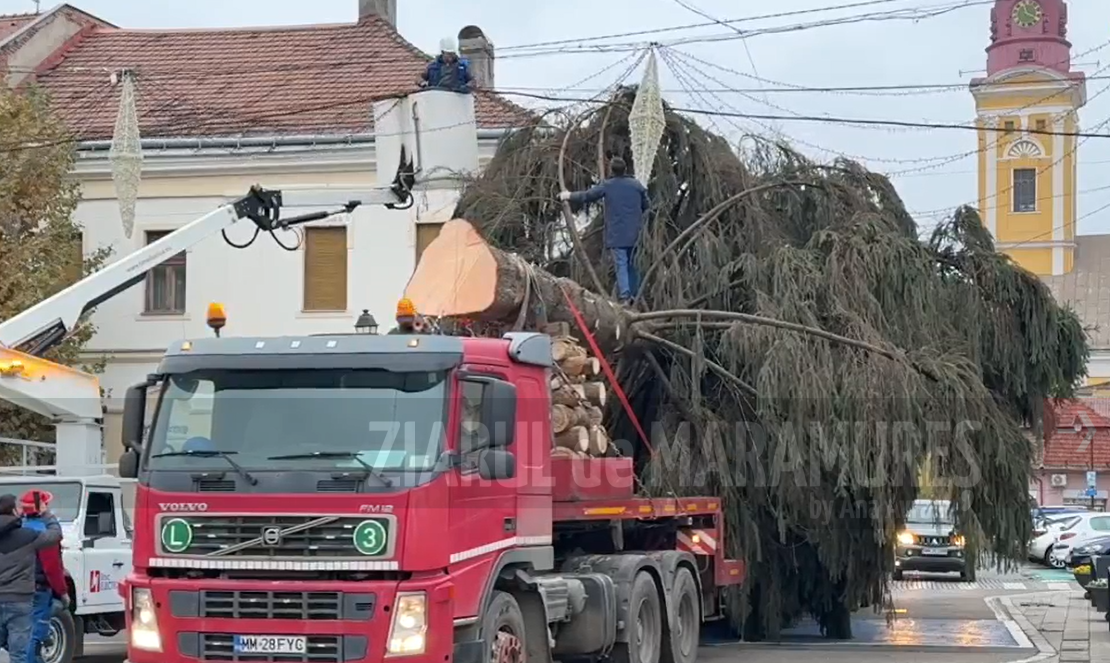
937	169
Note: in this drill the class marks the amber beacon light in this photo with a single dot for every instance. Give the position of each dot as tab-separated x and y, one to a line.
217	318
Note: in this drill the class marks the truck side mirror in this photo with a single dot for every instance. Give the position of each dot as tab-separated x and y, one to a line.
499	405
134	414
129	464
496	465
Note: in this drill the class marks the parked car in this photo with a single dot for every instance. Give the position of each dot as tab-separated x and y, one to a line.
1045	535
1082	553
930	542
1088	526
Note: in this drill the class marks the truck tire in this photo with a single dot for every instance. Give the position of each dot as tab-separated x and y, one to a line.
682	636
61	641
503	629
645	624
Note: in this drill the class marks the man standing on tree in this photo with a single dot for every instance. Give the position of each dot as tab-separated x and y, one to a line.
626	202
50	578
18	551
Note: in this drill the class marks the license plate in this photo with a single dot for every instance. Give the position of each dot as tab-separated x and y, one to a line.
271	644
935	552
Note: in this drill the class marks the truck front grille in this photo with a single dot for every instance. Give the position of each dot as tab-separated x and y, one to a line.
321	649
272	605
297	606
330	538
934	541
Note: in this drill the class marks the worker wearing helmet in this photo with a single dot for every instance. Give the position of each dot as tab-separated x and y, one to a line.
50	578
448	71
408	320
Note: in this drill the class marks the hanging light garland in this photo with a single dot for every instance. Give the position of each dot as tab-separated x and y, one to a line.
126	154
646	121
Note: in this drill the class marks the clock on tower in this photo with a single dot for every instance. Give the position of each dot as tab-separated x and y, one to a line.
1027	13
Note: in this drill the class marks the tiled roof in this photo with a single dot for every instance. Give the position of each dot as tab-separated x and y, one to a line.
10	23
1087	287
316	79
1066	448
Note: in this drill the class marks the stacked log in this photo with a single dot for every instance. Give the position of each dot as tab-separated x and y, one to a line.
578	397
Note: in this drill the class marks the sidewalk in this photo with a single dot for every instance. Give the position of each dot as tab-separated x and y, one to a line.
1064	626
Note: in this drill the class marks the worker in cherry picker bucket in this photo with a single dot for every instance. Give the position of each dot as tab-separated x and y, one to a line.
408	320
448	71
626	203
51	592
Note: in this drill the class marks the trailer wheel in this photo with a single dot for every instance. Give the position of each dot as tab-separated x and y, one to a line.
60	645
645	624
503	629
686	625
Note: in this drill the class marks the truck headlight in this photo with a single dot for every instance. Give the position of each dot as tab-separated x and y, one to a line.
905	538
409	625
958	541
144	621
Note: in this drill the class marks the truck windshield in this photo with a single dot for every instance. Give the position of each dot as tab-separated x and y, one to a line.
67	496
929	513
388	420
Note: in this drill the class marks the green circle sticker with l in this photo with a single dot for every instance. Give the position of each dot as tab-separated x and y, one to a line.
370	537
177	535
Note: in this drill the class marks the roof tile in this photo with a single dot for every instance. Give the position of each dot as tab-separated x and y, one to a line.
316	79
1065	448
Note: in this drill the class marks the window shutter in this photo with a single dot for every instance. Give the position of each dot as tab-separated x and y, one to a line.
425	235
325	269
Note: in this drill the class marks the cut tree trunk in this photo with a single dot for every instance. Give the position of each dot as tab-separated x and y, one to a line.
575	439
597	441
460	275
594	392
564	417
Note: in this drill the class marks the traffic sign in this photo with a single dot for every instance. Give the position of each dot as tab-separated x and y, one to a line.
1092	479
1092	492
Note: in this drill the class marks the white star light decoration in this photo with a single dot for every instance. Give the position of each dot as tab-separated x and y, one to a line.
646	122
126	154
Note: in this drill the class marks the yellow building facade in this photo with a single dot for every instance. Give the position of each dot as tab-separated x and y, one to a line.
1027	110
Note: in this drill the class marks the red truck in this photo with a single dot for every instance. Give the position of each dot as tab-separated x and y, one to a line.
274	524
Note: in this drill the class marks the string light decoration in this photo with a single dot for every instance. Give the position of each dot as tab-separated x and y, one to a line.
646	121
126	153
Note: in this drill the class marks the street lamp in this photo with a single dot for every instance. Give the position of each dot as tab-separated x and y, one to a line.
366	324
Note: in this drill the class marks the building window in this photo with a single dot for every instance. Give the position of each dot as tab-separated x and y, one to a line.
1042	125
165	284
425	235
1025	190
1026	55
1008	126
325	268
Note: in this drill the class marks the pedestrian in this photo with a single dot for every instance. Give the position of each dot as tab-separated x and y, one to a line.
448	71
18	548
626	202
50	579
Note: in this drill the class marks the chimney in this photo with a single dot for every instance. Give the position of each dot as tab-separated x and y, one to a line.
474	46
386	9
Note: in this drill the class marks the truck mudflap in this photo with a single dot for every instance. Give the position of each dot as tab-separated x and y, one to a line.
472	651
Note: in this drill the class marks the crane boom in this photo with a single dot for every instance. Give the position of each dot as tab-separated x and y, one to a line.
69	395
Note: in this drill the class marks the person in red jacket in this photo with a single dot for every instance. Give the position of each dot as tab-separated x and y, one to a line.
50	577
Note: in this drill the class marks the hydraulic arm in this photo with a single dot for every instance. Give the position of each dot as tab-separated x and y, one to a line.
65	394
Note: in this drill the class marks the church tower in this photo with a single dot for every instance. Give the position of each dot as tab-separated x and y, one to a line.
1029	97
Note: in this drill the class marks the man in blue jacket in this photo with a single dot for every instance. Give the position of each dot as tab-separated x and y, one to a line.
19	548
448	71
626	202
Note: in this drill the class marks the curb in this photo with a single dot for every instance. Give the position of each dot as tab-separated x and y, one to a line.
1020	627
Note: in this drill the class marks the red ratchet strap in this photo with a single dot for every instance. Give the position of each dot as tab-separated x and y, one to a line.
581	322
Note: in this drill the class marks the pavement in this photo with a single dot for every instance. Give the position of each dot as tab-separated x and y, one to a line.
1030	615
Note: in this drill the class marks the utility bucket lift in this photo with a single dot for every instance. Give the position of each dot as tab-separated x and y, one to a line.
425	140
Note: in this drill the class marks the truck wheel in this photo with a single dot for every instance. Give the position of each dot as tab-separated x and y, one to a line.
61	639
503	629
645	624
686	625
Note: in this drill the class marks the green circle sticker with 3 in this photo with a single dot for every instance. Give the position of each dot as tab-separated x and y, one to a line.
177	535
370	537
